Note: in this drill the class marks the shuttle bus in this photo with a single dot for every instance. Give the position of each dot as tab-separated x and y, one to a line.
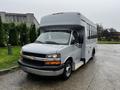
66	42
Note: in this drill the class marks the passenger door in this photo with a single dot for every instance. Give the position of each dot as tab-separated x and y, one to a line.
76	47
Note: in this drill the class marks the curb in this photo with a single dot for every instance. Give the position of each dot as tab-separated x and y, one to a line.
4	71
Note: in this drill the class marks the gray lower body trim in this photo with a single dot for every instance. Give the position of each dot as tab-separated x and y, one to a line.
42	72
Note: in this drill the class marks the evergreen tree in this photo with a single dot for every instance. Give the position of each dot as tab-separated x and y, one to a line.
6	27
18	28
13	35
2	34
38	31
24	38
32	33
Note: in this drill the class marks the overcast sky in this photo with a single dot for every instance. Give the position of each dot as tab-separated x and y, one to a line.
105	12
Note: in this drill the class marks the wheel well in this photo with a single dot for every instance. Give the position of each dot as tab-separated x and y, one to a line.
70	59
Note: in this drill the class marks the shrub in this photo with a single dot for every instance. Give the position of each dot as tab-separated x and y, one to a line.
13	35
24	34
32	34
2	34
38	31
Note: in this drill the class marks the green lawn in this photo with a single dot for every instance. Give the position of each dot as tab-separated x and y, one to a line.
108	42
7	61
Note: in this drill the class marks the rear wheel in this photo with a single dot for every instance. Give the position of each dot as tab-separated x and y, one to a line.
67	70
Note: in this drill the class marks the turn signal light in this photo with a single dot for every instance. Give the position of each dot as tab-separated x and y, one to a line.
52	62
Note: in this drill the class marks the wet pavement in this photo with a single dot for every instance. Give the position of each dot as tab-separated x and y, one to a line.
102	73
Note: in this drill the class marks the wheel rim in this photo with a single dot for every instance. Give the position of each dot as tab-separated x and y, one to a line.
68	70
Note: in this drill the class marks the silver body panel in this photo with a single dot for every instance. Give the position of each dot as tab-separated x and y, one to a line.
76	52
69	18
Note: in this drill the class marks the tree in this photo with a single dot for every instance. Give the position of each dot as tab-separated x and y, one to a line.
113	34
32	33
6	27
24	38
2	34
100	31
112	30
38	31
13	35
106	35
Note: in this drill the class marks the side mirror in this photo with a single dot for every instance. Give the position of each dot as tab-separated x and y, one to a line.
80	39
73	42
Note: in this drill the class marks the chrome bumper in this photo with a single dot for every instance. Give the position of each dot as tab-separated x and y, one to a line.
42	72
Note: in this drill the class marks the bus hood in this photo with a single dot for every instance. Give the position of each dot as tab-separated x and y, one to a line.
42	48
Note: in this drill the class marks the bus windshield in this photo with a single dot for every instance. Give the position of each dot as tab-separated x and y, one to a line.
54	37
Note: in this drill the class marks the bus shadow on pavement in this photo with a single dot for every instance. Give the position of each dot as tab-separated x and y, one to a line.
43	78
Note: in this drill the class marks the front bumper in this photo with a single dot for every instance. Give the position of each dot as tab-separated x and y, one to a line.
43	70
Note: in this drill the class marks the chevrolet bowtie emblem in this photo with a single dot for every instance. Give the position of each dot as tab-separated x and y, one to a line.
30	57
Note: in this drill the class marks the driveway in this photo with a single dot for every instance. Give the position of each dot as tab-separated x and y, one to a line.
102	73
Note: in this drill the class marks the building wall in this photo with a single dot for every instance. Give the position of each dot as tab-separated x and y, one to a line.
2	14
17	18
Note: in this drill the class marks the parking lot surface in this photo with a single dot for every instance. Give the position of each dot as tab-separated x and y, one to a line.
101	73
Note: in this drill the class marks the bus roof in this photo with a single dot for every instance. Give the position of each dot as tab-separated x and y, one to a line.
68	18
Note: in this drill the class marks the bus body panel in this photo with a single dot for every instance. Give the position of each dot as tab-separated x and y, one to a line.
75	22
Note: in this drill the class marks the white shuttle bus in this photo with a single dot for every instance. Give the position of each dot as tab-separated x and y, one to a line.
67	41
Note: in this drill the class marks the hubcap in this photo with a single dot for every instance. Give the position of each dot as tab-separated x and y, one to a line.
68	70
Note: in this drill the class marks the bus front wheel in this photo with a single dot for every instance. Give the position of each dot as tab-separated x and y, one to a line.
67	70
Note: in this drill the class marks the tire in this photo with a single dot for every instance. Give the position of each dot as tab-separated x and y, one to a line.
84	62
93	53
67	70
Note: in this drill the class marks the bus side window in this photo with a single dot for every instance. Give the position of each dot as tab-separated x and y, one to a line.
88	31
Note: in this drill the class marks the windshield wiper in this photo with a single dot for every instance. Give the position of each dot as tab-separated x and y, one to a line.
46	42
51	42
38	42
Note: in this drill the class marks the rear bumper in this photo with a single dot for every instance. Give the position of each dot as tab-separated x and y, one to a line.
43	71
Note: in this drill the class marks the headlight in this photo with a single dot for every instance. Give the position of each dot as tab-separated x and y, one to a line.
53	59
53	56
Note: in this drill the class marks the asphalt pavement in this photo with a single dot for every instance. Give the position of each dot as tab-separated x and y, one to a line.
101	73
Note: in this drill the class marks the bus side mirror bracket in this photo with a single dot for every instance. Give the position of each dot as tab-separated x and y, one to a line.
73	42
